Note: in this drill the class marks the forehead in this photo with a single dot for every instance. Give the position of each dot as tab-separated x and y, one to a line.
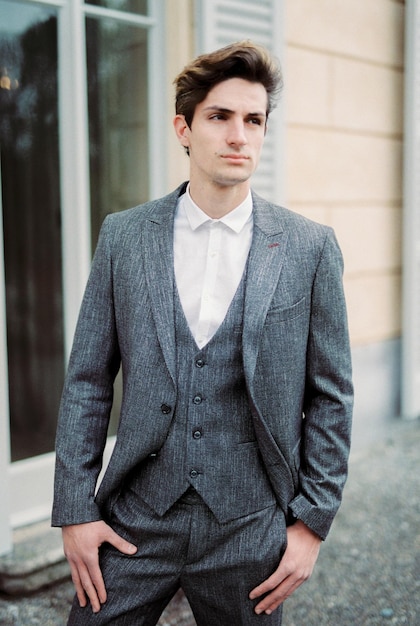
237	94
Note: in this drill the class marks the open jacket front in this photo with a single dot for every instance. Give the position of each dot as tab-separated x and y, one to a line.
296	361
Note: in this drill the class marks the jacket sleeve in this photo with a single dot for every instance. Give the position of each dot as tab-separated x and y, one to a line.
328	399
87	396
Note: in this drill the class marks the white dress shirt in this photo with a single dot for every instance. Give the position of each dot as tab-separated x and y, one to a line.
210	257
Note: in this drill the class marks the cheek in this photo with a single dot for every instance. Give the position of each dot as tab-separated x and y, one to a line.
260	141
259	148
256	141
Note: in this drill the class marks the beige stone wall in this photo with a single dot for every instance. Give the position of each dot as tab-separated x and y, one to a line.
343	103
180	50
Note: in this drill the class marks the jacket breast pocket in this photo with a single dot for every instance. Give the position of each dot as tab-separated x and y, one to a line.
280	314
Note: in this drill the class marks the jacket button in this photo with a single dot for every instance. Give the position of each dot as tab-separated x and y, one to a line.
199	363
197	399
197	434
166	409
193	473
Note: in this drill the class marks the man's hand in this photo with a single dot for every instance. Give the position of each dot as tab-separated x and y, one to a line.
295	567
81	546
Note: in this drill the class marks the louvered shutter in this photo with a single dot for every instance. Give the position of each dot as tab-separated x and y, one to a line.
411	257
221	22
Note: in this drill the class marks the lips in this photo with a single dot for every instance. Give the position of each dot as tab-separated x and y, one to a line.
237	158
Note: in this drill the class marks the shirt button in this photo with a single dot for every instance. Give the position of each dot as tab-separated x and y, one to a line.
197	434
197	399
166	409
199	363
193	473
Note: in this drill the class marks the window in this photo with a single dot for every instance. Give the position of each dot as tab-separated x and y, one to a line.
117	84
133	6
31	223
77	84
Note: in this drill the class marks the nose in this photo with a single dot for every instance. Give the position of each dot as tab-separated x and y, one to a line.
237	135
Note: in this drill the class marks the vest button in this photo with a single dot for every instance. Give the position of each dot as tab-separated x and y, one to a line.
197	434
199	363
197	399
166	409
193	473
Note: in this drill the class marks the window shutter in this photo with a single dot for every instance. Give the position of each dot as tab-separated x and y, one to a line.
221	22
411	247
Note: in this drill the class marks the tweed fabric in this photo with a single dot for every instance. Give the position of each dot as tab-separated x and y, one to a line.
296	359
211	444
216	565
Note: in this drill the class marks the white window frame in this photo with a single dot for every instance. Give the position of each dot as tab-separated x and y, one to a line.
5	533
31	499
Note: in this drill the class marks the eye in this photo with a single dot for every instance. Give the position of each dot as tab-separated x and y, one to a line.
257	121
217	116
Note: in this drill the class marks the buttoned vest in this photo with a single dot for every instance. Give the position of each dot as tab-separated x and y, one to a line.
211	444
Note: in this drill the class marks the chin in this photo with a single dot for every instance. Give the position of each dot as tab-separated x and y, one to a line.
231	181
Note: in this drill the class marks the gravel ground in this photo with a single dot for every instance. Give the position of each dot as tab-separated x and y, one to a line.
368	572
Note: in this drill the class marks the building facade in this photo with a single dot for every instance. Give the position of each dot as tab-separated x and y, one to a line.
86	107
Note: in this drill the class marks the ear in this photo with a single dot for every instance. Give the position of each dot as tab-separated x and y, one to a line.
182	130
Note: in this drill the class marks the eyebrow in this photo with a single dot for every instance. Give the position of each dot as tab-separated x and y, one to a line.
225	110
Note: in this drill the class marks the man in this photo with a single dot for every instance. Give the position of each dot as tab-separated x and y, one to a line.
227	316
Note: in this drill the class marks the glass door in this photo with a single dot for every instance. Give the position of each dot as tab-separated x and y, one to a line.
29	154
117	87
78	83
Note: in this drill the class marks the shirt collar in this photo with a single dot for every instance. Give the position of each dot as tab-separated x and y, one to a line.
235	220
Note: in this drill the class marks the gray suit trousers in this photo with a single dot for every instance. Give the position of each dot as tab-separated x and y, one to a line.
215	564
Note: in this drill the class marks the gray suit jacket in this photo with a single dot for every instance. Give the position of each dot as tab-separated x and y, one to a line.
295	350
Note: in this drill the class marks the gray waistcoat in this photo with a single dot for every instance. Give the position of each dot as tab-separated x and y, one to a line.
211	444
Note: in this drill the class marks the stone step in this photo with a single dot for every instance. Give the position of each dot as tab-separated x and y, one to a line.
37	560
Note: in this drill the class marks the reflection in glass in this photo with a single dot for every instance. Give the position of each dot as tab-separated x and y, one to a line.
133	6
118	127
118	118
31	223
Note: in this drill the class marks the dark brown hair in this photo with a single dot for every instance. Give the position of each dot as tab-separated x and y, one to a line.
243	59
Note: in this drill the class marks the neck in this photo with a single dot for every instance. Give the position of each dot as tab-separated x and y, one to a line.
218	201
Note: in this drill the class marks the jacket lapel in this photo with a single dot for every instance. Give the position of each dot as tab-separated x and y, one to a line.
159	268
266	259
